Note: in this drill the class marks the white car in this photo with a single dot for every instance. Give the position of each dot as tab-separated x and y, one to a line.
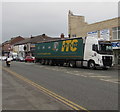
0	57
3	58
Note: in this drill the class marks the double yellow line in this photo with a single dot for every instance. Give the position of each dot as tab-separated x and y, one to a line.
48	92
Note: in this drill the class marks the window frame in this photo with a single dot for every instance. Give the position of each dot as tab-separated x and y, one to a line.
117	31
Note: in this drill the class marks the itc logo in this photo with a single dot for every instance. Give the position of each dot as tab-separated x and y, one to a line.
69	45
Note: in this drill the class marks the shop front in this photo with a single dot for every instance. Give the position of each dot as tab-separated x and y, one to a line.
116	52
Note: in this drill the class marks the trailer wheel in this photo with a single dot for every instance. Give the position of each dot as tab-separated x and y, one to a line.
46	62
72	64
42	61
51	62
91	65
61	64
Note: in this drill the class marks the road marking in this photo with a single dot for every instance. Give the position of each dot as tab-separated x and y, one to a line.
83	75
77	74
48	92
77	71
69	72
89	75
100	76
29	63
110	80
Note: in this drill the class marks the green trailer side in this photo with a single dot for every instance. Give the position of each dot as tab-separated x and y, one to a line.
61	49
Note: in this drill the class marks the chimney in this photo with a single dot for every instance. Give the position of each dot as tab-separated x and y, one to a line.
31	37
62	35
69	35
43	35
70	13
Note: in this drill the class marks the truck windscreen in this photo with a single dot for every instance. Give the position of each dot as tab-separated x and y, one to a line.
105	48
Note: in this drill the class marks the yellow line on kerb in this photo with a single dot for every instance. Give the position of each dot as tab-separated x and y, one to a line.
48	92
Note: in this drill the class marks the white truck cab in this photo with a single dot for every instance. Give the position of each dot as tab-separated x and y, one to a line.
98	53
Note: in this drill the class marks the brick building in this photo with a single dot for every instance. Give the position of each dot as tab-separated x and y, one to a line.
109	30
8	45
26	47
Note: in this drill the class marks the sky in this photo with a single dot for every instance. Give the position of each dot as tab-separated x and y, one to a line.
51	18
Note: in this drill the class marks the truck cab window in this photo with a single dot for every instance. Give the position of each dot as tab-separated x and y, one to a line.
95	47
105	48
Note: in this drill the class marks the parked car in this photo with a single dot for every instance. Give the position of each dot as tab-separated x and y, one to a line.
13	55
30	59
0	57
20	58
3	58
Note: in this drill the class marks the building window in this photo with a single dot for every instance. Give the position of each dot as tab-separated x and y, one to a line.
119	33
116	33
74	35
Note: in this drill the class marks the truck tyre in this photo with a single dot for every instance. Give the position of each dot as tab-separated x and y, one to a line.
46	62
60	64
42	61
72	64
91	65
51	62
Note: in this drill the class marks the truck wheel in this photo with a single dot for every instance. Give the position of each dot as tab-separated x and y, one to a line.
61	64
72	64
51	62
42	61
91	65
46	62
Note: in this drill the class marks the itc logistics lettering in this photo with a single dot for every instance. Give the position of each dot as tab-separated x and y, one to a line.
69	45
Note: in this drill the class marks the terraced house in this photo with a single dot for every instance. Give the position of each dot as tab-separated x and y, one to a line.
8	45
26	47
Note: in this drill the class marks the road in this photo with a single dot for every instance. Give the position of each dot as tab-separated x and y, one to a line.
90	89
18	95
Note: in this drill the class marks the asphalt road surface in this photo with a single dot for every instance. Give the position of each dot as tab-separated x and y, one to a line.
90	89
18	95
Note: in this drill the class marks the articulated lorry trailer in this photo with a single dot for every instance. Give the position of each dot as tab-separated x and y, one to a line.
90	52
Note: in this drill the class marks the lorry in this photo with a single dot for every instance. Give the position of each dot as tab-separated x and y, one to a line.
88	52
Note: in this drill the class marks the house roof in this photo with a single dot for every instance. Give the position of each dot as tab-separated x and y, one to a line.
16	39
38	39
13	40
41	38
6	42
26	40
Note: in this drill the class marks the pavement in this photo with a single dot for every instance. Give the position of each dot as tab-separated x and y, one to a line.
18	95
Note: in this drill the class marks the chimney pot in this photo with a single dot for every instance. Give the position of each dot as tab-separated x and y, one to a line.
43	35
62	35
